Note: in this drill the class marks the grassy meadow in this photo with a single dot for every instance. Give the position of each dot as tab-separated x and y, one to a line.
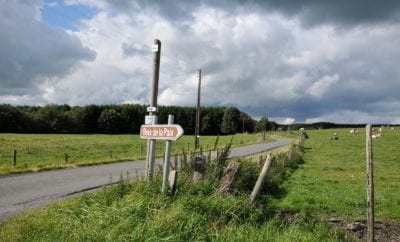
37	152
326	180
332	180
138	211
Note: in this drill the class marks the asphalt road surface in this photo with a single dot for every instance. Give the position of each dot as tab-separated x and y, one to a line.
34	190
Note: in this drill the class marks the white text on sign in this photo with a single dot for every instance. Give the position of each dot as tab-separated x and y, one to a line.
165	132
162	132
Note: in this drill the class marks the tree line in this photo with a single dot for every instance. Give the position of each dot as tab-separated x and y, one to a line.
125	118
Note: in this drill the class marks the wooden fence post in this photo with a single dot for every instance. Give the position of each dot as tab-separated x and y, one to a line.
172	178
199	168
14	160
66	157
370	185
228	178
261	177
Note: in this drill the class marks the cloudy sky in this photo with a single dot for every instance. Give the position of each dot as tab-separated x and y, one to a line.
301	61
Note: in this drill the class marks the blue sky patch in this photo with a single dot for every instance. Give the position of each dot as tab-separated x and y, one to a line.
58	14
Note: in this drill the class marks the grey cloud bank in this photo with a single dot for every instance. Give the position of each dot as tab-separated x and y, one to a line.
303	61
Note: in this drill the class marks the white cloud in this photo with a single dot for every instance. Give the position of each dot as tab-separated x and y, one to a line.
355	116
286	121
319	88
33	52
250	58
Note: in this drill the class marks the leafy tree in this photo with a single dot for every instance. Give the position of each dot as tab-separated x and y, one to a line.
75	120
264	122
90	116
247	123
230	121
132	117
205	124
117	118
11	119
51	118
110	121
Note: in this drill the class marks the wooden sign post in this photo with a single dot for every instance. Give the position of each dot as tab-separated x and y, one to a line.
151	143
168	132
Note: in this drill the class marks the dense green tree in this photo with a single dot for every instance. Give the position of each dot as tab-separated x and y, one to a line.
11	119
110	121
117	118
52	118
89	118
205	124
230	121
247	123
132	117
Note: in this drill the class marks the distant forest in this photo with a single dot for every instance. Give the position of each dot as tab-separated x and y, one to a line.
126	118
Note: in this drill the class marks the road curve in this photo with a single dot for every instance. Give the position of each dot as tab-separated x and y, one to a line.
34	190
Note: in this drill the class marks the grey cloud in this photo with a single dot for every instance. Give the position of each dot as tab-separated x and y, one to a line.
32	51
251	58
134	49
173	10
310	12
314	12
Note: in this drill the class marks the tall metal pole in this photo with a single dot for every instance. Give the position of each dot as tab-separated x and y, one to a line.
197	128
151	144
167	157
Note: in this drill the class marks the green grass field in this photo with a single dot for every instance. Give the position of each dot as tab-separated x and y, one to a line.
47	151
138	211
330	182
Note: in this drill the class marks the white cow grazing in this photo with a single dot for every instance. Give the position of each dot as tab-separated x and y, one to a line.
301	129
353	131
375	136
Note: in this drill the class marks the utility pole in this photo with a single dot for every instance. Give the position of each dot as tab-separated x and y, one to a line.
264	123
197	128
151	144
243	125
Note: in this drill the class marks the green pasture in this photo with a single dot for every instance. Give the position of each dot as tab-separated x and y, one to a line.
332	181
298	199
138	211
47	151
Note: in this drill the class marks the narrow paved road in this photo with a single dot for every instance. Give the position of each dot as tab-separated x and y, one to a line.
29	191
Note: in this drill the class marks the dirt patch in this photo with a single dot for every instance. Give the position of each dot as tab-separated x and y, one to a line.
384	231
